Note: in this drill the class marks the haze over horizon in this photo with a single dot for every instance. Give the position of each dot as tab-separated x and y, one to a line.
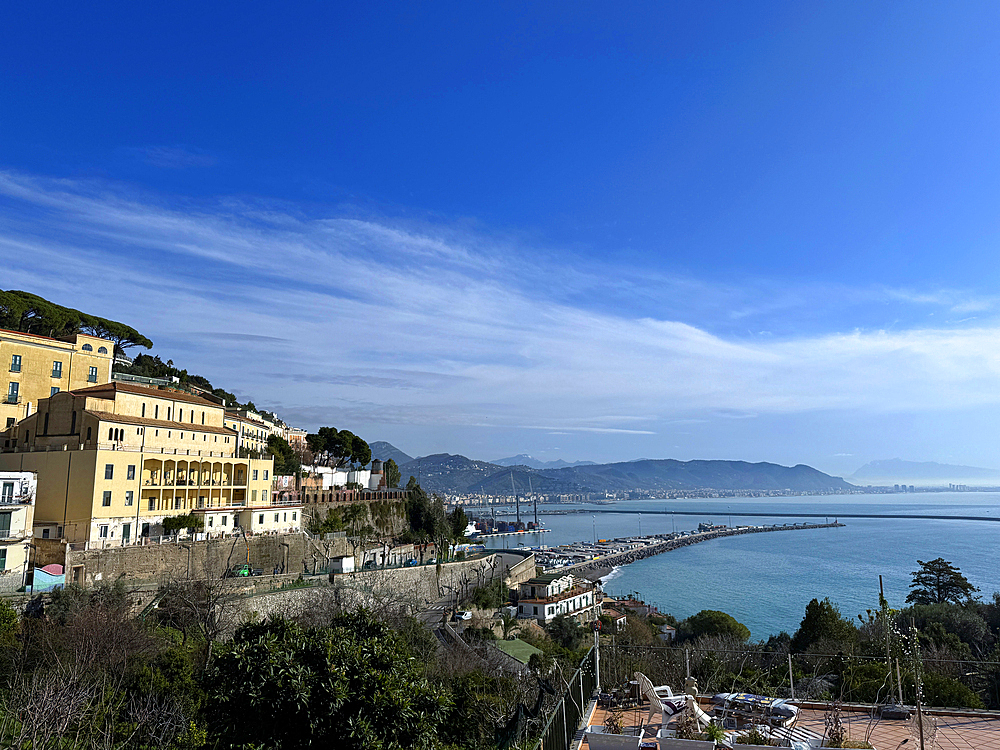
582	233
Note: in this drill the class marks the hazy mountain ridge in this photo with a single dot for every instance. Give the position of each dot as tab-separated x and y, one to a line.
384	451
899	470
523	459
458	474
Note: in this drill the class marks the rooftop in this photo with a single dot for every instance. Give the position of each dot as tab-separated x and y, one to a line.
955	730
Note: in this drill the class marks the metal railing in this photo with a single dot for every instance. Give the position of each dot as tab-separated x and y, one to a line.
564	720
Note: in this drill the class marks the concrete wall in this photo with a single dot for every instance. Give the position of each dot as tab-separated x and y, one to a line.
157	563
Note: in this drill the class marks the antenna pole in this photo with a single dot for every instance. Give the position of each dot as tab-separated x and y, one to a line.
534	499
517	500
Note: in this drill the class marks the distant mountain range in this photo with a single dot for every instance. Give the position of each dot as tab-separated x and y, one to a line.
896	470
523	459
383	451
449	473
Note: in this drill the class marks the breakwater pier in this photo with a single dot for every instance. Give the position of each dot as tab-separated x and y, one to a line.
585	557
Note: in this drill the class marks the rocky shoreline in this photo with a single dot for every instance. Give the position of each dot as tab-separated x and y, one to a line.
596	569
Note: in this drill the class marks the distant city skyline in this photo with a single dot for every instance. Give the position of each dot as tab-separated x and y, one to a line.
765	233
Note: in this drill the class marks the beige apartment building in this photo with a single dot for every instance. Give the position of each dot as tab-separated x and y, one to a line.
114	460
37	367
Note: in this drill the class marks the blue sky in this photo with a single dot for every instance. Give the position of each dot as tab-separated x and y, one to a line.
763	231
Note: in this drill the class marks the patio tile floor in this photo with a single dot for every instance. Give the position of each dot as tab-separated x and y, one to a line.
953	733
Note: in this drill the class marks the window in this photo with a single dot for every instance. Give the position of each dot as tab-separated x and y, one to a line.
142	412
45	425
103	350
260	518
180	415
15	363
211	520
203	417
156	412
104	531
294	516
106	502
177	503
265	475
7	492
10	421
88	434
276	517
253	496
263	495
92	375
72	424
131	471
57	369
126	531
285	519
255	475
12	389
129	498
109	471
169	410
45	533
87	348
53	391
152	503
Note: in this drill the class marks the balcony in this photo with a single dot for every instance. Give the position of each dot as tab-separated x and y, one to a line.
15	368
12	398
57	373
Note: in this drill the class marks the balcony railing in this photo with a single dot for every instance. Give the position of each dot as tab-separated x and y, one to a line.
15	499
15	368
57	373
12	398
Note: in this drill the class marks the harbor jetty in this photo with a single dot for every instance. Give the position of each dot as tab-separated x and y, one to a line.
594	560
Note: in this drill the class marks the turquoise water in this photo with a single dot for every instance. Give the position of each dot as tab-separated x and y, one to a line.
766	580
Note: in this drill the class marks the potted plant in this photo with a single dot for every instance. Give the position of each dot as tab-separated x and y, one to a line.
613	734
752	738
686	735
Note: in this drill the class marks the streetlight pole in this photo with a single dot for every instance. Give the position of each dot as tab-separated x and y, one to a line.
640	524
595	529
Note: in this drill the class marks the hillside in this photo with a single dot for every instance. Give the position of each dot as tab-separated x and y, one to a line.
523	459
384	451
457	474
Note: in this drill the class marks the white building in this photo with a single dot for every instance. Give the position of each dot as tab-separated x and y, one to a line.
544	598
18	490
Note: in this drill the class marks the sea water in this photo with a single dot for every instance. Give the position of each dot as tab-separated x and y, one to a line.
766	580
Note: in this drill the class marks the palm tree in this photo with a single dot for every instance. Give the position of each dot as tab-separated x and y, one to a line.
508	624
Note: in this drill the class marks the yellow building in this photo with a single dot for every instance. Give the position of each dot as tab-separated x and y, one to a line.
38	367
114	460
253	429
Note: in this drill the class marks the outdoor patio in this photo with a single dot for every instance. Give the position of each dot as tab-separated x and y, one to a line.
954	732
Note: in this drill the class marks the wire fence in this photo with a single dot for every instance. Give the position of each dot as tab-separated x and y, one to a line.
564	720
944	682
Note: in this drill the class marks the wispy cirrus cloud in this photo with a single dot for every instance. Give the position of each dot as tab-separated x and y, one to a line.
389	322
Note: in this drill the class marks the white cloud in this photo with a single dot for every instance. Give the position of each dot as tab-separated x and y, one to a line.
388	322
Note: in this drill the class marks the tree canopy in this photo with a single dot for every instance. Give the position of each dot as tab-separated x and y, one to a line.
337	448
29	313
286	460
392	473
939	582
350	685
713	622
823	623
